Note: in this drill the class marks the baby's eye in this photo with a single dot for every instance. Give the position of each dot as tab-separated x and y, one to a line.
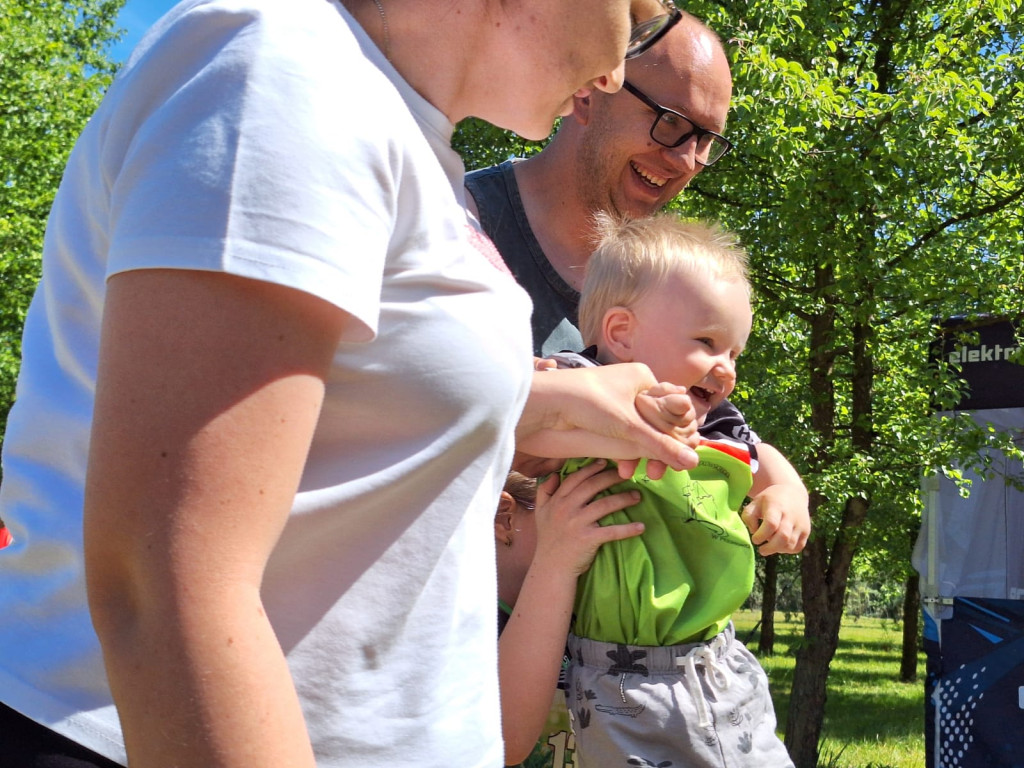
707	342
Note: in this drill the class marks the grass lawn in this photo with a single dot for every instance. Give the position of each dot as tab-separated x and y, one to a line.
871	719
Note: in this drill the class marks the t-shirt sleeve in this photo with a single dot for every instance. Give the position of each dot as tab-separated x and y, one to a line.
233	147
727	421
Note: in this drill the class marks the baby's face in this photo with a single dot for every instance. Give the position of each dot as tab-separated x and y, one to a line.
689	331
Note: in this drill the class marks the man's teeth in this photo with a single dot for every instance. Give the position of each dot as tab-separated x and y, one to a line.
654	181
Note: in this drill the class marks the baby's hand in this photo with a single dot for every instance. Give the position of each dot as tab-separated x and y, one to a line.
778	520
544	364
668	409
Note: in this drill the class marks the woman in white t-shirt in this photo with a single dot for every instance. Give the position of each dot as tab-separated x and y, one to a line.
273	364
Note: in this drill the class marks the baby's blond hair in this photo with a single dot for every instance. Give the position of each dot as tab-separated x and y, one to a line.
634	255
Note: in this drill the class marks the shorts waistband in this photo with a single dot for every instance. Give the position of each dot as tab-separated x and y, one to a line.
660	658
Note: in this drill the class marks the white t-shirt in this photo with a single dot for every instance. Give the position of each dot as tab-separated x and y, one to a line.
270	139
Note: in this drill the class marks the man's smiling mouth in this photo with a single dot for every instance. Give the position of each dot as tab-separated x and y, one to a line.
651	180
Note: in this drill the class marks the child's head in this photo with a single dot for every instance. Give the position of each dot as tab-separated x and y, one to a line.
672	294
516	533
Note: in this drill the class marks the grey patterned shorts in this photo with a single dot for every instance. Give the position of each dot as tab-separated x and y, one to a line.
684	706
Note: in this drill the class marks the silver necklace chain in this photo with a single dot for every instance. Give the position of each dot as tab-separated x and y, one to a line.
387	32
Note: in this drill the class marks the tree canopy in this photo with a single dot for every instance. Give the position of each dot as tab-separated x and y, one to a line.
53	71
877	184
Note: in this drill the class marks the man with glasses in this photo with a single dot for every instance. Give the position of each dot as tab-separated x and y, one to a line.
628	153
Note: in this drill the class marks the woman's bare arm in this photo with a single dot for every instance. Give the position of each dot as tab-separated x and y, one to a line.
208	392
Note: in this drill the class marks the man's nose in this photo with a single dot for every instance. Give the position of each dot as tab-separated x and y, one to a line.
684	156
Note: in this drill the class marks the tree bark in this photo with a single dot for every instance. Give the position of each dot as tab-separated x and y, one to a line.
769	599
824	573
826	560
911	623
809	692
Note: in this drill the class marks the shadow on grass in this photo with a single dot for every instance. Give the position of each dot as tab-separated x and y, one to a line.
866	702
861	716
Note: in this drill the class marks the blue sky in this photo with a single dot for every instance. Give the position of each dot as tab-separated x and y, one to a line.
136	17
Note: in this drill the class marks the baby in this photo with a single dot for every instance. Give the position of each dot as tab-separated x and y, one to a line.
656	675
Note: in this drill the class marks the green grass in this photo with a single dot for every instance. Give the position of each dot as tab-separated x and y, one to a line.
871	719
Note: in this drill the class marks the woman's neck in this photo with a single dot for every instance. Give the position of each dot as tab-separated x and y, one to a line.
407	33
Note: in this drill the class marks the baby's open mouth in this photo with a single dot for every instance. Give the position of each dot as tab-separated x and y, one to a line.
701	393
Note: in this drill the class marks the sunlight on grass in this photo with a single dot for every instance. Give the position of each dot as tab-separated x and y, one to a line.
871	719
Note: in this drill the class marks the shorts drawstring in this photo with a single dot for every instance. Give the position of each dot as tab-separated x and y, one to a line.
707	656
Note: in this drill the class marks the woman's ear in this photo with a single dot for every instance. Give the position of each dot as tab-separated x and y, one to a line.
503	517
617	329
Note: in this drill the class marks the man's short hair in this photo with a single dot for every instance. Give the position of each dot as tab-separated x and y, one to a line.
634	255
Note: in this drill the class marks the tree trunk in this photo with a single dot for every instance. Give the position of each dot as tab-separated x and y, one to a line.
826	560
769	599
807	700
911	619
824	574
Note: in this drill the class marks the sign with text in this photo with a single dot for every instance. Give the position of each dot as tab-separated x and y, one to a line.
987	353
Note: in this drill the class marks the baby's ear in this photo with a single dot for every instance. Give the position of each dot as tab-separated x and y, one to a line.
617	334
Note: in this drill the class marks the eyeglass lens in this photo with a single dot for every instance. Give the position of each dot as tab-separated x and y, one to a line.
671	130
647	33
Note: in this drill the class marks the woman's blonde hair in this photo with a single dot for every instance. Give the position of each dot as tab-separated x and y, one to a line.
633	255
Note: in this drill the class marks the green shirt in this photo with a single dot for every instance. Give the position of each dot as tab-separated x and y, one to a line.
681	580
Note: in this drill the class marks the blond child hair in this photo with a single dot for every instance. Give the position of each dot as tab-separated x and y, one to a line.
634	255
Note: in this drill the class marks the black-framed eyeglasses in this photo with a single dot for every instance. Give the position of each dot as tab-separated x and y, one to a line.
670	129
647	33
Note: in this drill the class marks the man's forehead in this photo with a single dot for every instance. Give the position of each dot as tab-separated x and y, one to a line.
687	72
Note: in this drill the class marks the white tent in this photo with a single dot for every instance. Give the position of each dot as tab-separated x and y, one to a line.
970	554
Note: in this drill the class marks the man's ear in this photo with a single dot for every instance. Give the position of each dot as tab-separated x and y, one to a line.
617	329
581	106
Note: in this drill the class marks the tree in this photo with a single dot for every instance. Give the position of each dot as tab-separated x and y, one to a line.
769	600
911	629
481	144
54	69
878	186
